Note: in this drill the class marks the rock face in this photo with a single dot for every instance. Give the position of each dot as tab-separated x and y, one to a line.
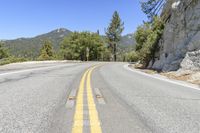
181	36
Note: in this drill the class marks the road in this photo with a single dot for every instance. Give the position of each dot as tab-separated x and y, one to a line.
93	97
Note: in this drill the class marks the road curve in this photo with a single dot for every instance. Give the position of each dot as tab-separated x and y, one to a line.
49	98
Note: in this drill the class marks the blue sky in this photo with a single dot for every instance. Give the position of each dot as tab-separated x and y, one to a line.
28	18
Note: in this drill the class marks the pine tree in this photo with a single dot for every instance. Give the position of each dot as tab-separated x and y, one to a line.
3	52
113	33
46	52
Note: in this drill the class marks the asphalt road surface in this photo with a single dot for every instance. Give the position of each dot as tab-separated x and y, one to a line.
93	98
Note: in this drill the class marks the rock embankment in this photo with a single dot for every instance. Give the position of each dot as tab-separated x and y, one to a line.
180	44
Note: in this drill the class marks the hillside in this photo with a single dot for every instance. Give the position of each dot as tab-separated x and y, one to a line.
29	47
127	43
127	40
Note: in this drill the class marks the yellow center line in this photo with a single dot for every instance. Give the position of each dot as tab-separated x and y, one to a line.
78	117
93	114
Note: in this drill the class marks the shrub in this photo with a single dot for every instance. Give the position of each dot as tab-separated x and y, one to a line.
147	40
132	56
11	60
3	52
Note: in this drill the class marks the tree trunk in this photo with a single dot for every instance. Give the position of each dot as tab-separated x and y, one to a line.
115	52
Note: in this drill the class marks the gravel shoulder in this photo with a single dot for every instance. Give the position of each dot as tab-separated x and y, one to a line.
188	76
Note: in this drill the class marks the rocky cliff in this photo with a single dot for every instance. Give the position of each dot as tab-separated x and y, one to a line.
180	44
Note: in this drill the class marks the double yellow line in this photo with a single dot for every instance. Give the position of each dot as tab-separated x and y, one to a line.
93	114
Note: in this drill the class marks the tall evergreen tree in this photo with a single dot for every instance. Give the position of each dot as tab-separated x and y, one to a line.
3	52
46	52
113	33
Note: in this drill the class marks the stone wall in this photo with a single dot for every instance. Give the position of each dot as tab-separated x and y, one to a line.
181	34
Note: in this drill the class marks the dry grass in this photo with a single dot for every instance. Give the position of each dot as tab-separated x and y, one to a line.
140	67
172	75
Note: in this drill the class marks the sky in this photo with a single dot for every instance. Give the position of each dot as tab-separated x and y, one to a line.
28	18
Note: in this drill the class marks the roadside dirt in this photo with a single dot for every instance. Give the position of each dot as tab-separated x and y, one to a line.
183	75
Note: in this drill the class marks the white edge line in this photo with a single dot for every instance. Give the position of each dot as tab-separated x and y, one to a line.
126	66
29	70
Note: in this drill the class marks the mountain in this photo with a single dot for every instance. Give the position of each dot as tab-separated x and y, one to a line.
30	47
23	47
127	43
127	40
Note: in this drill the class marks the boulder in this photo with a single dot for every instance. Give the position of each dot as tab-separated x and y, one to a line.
191	61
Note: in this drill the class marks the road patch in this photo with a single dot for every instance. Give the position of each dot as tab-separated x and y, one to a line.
99	96
71	99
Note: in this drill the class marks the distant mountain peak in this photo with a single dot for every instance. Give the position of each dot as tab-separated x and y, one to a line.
60	30
24	46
